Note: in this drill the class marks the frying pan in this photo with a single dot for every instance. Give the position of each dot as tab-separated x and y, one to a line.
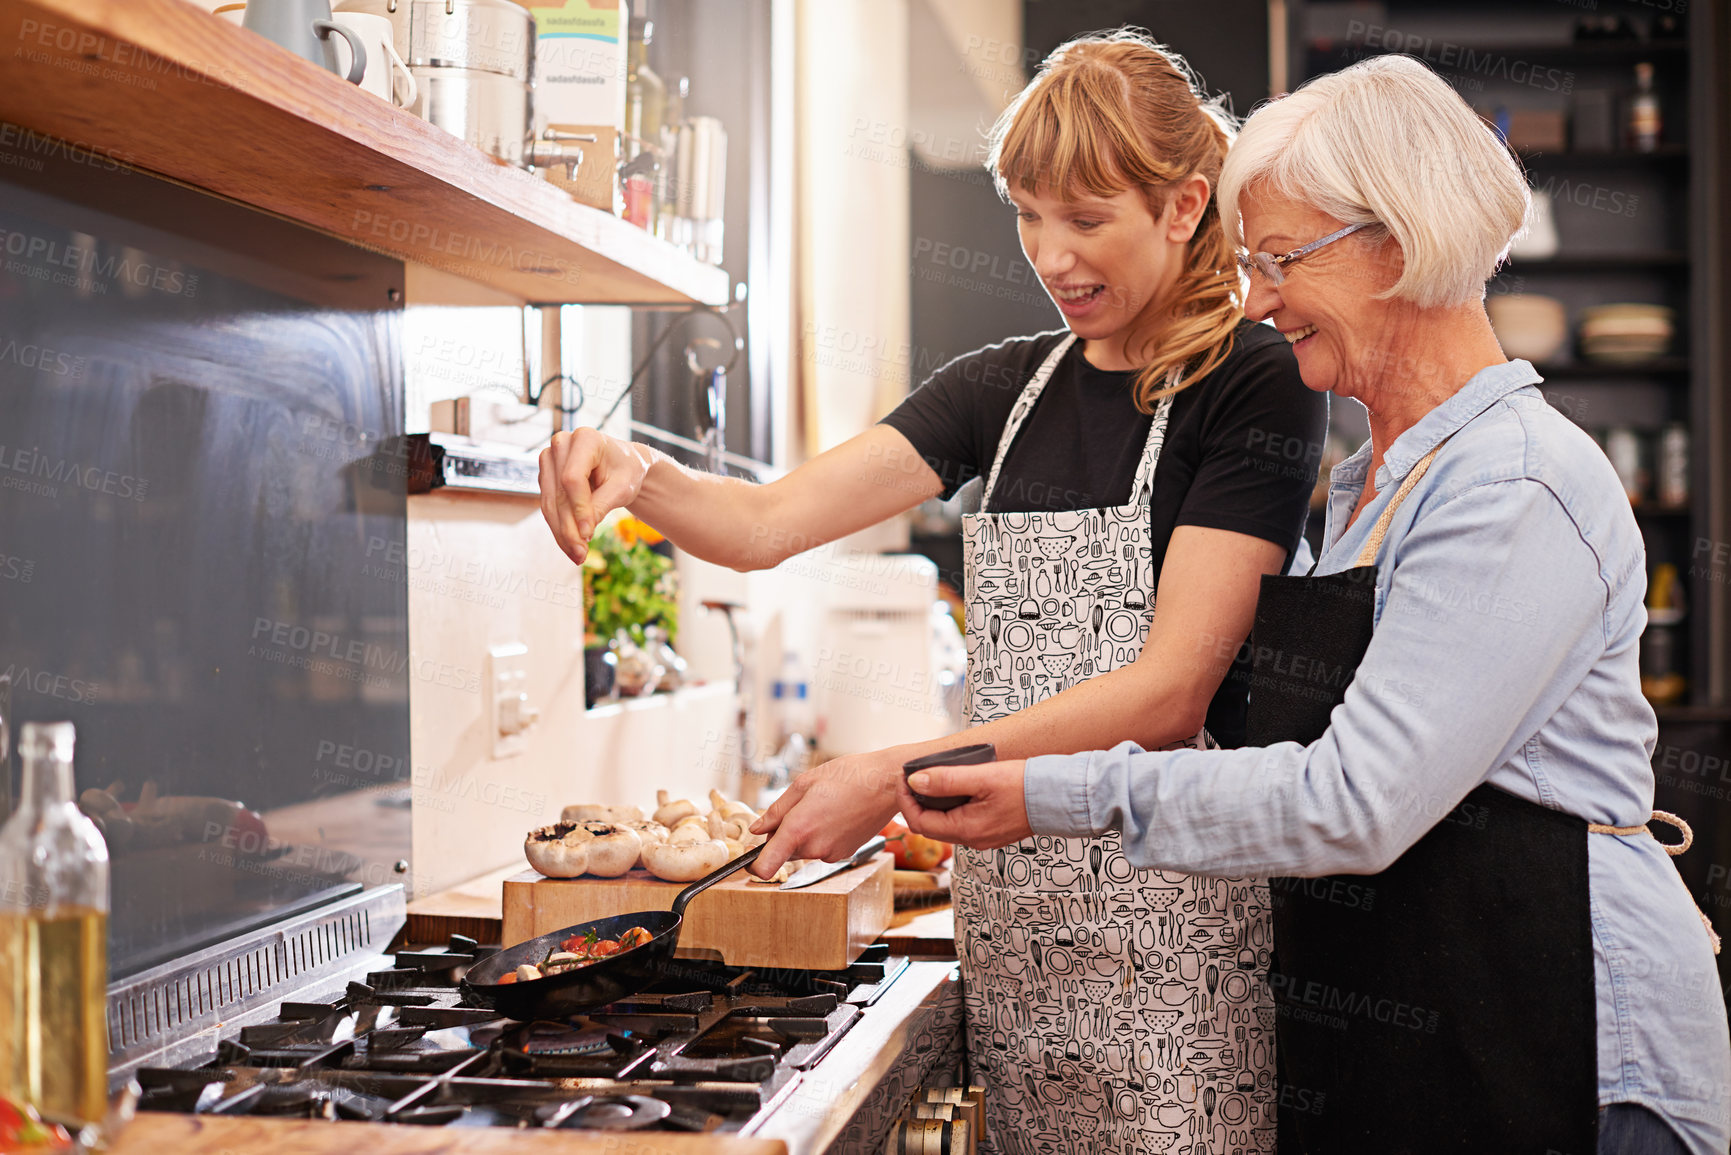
609	980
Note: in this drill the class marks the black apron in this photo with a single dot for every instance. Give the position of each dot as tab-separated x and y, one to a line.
1447	1003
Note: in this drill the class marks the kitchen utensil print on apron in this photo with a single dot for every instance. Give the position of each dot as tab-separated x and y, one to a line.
1109	1009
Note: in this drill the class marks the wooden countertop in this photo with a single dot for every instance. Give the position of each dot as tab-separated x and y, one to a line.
927	933
152	1133
167	88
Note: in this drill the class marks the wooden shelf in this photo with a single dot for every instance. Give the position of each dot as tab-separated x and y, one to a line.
1576	370
1665	152
166	88
1602	262
1693	713
1581	52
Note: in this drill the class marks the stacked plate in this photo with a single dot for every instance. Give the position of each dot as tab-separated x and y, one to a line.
1626	332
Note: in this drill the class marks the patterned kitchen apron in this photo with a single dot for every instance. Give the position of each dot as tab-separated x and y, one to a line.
1110	1009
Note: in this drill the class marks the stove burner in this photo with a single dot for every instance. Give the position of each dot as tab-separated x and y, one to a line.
578	1038
710	1048
605	1113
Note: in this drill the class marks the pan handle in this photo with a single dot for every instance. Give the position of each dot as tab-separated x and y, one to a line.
685	896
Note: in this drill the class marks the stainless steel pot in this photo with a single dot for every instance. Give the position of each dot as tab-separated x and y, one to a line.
494	36
488	110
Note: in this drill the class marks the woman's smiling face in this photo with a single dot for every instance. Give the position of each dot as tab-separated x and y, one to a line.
1327	305
1103	260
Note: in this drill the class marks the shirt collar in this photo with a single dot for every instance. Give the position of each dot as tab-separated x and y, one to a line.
1484	389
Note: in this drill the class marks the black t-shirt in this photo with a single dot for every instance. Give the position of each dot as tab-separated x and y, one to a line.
1241	451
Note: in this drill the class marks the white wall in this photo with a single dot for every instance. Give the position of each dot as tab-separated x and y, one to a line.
483	571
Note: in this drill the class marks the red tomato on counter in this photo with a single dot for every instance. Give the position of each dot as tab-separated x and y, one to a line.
915	851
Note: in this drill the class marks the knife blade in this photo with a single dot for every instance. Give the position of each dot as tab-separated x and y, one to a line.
818	871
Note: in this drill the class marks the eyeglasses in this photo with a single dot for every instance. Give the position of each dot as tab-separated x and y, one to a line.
1272	266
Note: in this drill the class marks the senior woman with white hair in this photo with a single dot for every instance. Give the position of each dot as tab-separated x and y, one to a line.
1478	943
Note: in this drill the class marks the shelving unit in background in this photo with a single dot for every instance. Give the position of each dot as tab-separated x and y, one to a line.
162	87
1674	248
1628	224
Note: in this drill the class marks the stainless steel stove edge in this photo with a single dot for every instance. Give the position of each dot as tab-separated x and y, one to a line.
174	1013
846	1104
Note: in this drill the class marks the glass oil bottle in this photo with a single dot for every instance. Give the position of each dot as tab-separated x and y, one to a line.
53	940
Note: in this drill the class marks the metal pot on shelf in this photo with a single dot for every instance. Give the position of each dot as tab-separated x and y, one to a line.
486	35
474	65
486	109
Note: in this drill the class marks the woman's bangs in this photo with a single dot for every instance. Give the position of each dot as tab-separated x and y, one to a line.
1057	144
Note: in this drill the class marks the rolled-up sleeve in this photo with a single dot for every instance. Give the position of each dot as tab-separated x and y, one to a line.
1495	612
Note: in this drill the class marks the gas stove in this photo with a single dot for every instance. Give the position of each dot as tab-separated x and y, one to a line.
709	1049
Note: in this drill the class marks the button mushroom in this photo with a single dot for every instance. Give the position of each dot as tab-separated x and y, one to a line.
731	822
669	811
597	812
685	861
691	828
560	850
613	850
647	833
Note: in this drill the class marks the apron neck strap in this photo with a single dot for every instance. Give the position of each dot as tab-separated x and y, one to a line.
1367	555
1141	486
1019	412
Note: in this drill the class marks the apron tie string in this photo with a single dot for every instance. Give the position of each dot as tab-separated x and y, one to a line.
1671	848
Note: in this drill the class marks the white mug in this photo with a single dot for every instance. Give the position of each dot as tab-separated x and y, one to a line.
232	12
384	65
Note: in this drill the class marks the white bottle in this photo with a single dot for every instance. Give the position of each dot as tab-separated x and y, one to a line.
792	693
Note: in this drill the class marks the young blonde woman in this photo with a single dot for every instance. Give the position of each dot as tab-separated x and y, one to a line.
1157	444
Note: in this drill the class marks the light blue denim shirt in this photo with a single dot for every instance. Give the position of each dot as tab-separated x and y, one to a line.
1509	612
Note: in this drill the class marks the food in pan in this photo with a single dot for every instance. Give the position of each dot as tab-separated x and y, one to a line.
577	951
680	844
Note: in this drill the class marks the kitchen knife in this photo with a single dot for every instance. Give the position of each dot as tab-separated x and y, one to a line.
818	871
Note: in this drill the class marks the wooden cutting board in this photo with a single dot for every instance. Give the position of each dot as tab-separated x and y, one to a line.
823	926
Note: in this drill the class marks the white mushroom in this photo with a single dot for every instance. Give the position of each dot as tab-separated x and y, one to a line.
735	832
685	861
597	812
668	811
612	849
558	851
787	871
724	827
648	833
528	973
691	828
730	809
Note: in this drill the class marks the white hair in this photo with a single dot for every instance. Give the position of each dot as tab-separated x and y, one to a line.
1388	144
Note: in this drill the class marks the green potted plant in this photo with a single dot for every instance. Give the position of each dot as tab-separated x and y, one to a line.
628	585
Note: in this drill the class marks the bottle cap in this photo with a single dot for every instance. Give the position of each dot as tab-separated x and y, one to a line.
51	739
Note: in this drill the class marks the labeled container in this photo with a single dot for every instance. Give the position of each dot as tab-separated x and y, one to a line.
1646	123
698	187
1623	447
53	941
1672	467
